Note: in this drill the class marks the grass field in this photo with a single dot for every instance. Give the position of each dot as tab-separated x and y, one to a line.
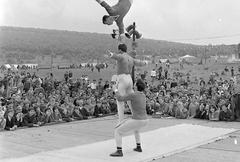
106	74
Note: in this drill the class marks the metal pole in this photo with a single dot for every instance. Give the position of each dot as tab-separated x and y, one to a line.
134	35
205	55
7	91
238	51
133	68
51	61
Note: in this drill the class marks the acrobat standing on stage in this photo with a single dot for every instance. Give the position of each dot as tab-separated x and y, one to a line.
116	13
123	77
138	120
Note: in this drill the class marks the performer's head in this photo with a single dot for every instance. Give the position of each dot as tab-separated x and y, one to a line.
108	20
122	48
140	85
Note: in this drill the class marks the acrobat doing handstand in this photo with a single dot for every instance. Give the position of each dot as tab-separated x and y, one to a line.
116	13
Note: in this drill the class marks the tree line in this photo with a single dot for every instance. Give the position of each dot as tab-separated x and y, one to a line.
29	43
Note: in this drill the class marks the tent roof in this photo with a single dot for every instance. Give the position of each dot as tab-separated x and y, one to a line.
7	66
187	56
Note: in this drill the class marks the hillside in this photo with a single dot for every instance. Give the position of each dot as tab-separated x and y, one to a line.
21	44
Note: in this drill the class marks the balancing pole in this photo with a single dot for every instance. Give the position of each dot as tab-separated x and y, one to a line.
134	37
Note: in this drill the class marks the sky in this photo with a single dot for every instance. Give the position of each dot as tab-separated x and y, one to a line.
200	22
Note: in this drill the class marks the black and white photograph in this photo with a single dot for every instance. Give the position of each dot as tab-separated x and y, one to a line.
119	80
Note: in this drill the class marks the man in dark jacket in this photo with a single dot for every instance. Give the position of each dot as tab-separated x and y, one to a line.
29	119
225	114
10	120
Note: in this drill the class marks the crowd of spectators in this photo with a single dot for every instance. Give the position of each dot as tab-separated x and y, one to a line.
183	97
30	101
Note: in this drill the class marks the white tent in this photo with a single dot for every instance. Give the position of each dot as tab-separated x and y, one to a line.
233	59
14	68
7	66
163	60
187	56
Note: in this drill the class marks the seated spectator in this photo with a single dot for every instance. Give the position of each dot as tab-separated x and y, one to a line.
65	115
2	119
113	105
30	92
162	92
9	105
221	102
98	109
26	106
56	114
106	85
39	115
185	102
200	112
67	105
203	97
52	103
19	116
93	85
39	89
175	96
105	108
225	114
77	114
29	119
163	108
48	116
213	113
10	120
110	93
205	115
193	107
149	107
127	109
154	104
100	88
172	109
27	85
91	106
79	103
97	95
42	106
181	111
167	98
93	101
104	96
85	110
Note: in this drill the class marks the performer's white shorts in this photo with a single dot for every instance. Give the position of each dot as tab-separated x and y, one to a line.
125	80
